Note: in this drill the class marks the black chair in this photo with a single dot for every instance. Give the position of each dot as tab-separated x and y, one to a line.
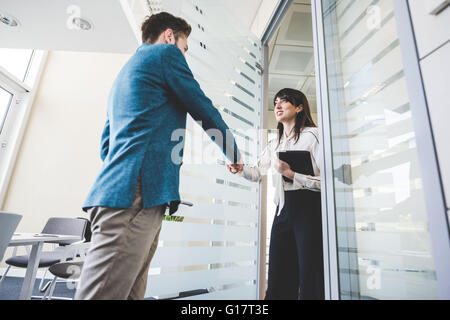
66	250
68	271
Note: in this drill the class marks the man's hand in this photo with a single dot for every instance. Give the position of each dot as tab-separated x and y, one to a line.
284	168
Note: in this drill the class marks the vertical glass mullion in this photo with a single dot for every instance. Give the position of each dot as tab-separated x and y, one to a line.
328	207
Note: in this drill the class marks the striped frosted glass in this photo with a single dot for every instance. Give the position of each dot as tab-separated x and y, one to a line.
215	247
382	233
166	284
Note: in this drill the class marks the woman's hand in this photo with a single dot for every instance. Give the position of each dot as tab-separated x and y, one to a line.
235	168
284	169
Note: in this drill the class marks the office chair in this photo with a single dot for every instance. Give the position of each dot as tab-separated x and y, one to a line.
8	224
68	271
66	250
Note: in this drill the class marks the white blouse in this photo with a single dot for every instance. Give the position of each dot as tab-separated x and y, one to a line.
308	141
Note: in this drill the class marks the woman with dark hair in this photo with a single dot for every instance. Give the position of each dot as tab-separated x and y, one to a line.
295	254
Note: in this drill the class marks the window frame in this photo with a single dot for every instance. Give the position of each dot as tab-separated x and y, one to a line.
8	106
14	123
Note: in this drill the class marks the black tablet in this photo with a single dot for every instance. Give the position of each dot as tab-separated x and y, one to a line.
299	161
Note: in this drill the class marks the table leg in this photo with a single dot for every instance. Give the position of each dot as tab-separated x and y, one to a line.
30	275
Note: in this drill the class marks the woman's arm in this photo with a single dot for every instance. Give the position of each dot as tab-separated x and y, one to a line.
306	182
302	181
254	173
251	173
310	182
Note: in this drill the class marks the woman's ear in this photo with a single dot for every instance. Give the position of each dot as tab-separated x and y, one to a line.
299	108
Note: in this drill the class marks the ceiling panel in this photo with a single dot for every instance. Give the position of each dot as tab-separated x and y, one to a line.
291	54
300	21
280	82
296	28
45	24
292	60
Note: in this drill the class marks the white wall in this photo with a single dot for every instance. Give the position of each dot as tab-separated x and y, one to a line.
433	35
59	157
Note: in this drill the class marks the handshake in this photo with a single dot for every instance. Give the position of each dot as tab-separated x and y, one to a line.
278	165
236	168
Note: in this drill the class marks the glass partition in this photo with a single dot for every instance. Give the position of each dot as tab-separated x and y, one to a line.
211	249
383	242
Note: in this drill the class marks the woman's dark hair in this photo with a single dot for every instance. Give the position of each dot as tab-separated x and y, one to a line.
303	118
156	24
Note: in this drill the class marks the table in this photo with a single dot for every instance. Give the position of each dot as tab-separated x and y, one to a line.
36	240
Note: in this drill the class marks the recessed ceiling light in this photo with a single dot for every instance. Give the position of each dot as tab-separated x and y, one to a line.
81	23
10	21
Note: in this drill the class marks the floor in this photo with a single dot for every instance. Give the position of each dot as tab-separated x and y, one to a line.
11	286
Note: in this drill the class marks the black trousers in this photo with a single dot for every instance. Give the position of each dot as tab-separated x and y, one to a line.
296	251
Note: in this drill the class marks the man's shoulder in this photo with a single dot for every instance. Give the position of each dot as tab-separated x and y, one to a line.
158	49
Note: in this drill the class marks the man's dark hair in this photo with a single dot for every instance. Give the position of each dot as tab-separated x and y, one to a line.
156	24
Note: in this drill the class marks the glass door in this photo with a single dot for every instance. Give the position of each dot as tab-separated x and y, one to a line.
383	244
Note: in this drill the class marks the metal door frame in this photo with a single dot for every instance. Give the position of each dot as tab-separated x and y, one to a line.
432	184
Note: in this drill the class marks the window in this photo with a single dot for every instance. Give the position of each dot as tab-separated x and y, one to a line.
5	101
19	73
16	61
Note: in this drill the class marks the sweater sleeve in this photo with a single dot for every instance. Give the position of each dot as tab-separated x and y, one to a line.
182	84
255	173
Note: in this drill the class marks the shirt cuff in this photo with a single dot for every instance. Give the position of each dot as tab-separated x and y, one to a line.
246	173
299	180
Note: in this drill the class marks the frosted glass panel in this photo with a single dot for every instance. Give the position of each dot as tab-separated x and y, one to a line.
213	280
382	229
213	250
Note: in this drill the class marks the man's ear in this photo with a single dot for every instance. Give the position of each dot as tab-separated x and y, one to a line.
168	36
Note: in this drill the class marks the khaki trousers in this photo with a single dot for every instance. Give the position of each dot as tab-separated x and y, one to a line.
122	245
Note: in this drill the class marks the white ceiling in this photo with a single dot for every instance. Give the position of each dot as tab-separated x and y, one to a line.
291	54
43	25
